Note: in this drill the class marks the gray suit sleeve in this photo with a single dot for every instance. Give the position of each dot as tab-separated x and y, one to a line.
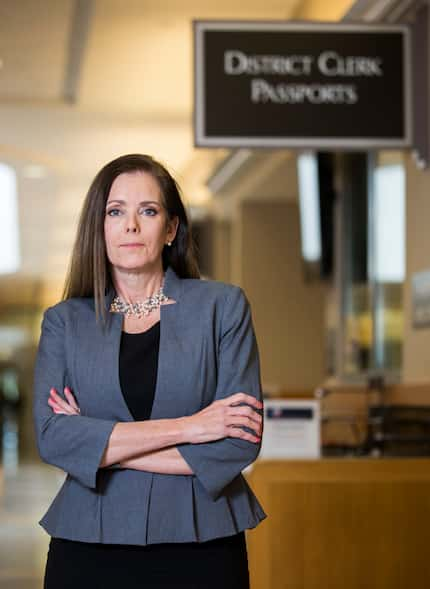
74	443
218	462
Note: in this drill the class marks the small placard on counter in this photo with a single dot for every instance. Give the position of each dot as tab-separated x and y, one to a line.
291	429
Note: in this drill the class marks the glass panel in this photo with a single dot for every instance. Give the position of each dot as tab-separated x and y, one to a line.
373	263
357	302
358	329
388	253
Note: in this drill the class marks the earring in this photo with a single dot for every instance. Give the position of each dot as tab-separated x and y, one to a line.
169	243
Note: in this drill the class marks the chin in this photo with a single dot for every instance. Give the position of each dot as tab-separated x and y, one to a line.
129	266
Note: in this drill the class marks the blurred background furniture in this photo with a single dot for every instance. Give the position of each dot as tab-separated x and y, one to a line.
336	523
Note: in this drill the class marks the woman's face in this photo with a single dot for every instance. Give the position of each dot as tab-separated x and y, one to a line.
136	227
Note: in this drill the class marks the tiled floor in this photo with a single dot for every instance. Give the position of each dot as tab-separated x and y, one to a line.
26	493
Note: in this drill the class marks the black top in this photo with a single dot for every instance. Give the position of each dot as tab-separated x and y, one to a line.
138	362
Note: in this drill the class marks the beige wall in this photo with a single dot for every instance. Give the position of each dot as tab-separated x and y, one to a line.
259	204
416	353
222	250
288	313
321	9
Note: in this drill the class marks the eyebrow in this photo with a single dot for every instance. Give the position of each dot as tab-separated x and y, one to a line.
143	202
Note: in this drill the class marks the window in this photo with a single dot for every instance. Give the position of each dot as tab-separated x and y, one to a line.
388	249
9	233
373	264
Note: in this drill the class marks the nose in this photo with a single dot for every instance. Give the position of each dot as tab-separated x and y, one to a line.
132	225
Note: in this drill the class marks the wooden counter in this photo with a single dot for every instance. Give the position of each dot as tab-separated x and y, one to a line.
341	524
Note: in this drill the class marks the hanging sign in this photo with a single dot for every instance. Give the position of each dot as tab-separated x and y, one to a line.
269	84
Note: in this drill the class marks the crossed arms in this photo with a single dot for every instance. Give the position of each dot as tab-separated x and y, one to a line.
80	445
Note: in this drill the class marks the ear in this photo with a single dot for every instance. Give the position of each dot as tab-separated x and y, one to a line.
172	227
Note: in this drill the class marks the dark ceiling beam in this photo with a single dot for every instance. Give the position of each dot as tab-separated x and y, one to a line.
79	33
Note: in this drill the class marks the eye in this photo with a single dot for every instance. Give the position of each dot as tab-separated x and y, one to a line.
114	211
150	211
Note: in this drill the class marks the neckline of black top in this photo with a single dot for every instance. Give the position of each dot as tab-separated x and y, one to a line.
127	333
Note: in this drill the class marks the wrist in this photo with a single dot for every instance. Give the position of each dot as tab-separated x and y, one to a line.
184	428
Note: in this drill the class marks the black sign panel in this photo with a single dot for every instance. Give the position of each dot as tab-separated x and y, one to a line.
301	85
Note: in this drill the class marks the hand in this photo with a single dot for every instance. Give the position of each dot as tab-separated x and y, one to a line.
224	418
59	405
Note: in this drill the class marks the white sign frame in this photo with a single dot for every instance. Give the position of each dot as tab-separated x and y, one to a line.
362	143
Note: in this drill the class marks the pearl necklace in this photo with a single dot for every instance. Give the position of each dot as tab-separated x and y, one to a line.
139	308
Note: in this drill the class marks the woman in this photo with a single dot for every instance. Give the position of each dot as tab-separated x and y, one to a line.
148	395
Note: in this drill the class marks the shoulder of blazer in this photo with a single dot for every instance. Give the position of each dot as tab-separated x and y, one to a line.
213	295
65	311
209	288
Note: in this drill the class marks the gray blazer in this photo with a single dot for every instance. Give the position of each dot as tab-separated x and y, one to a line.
207	351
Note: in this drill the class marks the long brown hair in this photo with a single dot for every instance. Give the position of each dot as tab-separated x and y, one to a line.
89	271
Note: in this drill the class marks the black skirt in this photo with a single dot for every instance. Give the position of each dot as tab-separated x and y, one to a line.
221	563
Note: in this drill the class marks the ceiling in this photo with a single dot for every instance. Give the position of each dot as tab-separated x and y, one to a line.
83	81
116	56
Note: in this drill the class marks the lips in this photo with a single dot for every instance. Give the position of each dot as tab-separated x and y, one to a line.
131	245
